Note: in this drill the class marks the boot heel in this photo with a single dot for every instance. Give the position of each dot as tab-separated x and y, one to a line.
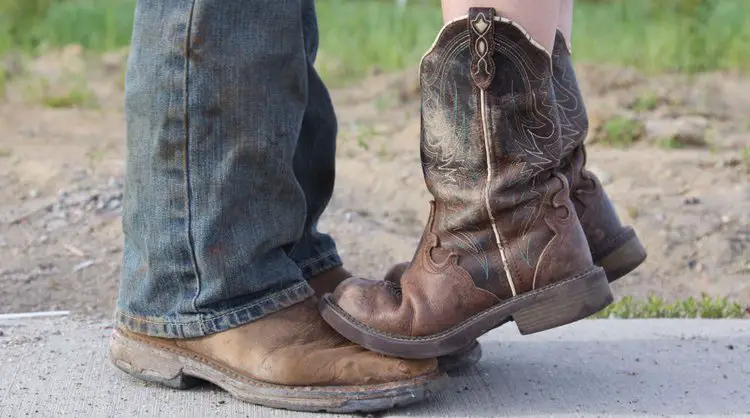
624	259
566	302
148	363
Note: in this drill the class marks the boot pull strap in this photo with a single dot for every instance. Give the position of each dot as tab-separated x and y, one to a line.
482	29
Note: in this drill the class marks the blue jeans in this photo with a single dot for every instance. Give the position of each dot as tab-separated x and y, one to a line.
231	147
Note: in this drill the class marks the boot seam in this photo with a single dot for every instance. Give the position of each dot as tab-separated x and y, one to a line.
496	232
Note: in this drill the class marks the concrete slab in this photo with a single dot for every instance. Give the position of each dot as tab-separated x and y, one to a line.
58	368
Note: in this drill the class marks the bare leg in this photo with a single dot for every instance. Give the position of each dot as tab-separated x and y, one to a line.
565	21
539	18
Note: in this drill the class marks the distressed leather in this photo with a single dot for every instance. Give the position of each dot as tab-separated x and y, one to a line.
294	347
596	213
502	222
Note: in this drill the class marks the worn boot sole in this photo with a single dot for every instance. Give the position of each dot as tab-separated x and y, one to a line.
627	255
182	369
552	306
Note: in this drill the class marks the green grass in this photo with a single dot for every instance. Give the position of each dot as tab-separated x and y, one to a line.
655	307
360	36
664	35
745	157
646	102
620	132
31	25
670	143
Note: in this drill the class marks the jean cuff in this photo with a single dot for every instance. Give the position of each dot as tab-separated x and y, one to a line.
320	263
200	325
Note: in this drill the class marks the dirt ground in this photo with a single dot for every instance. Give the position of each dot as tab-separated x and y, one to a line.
61	172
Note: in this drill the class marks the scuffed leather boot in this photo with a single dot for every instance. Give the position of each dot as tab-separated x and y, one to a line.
290	359
503	241
329	280
613	246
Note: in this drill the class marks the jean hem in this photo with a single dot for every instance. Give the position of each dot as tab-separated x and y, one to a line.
320	263
201	325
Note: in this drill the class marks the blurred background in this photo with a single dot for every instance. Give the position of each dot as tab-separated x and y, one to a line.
667	84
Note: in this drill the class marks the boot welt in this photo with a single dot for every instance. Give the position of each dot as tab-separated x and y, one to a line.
182	369
624	256
552	306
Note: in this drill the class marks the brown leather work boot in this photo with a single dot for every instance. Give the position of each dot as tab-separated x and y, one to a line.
613	246
290	359
503	241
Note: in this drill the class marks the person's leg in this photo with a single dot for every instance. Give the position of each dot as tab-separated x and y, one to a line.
539	18
502	241
565	20
211	137
314	167
216	96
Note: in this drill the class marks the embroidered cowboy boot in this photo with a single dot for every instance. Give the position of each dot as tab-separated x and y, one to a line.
613	246
503	241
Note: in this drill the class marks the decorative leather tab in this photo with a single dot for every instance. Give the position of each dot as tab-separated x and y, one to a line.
482	29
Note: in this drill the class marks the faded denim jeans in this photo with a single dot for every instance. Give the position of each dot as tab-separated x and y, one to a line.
231	147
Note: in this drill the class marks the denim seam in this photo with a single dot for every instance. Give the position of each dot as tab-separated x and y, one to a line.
188	189
210	318
320	257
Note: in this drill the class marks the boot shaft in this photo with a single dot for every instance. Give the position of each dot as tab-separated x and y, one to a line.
574	122
491	149
487	103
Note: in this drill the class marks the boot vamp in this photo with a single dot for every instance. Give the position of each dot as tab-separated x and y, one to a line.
433	296
296	347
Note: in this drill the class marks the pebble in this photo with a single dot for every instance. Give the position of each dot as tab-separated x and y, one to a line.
692	200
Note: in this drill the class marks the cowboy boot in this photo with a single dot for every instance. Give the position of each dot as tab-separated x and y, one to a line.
613	246
503	241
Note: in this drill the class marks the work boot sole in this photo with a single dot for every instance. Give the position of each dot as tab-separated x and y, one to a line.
538	310
183	369
627	254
